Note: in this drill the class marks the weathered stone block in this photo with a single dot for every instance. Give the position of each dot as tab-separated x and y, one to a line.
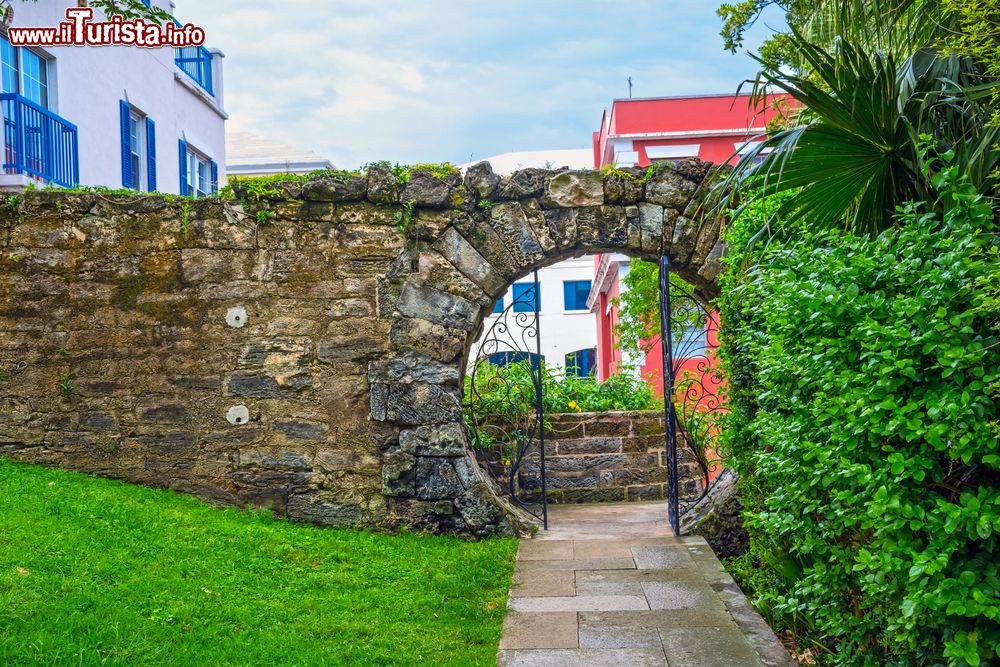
434	340
335	188
523	183
437	272
518	236
310	508
418	404
574	189
427	303
399	474
454	248
425	189
441	440
622	187
437	479
300	430
670	189
383	188
602	227
481	182
410	366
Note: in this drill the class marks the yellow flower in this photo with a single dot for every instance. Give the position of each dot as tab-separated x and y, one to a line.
575	406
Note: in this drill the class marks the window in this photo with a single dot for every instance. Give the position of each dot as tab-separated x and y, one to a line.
199	175
509	357
691	342
526	297
575	293
498	306
8	53
135	148
581	362
25	72
138	149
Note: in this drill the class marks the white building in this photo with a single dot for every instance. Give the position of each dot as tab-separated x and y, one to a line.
115	116
250	155
568	329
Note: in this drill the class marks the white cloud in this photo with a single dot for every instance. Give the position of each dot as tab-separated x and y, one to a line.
438	80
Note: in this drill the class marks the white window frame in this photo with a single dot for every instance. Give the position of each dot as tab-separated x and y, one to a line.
137	145
195	161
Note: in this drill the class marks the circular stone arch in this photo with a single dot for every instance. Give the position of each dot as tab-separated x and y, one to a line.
442	286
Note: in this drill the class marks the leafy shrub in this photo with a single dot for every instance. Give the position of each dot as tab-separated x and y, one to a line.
863	378
509	391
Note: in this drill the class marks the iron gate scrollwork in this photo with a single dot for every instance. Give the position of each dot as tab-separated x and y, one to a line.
692	390
504	409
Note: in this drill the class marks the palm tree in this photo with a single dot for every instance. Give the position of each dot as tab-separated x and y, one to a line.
852	154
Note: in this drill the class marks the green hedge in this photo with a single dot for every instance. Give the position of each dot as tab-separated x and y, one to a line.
863	379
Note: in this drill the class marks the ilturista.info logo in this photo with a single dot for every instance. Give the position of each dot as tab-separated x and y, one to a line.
79	29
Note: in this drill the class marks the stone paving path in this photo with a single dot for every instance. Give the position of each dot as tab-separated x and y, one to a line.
610	585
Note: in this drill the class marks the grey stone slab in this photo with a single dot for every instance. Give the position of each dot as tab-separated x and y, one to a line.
591	657
580	603
585	549
659	618
636	576
609	588
539	630
660	558
547	550
543	583
616	632
707	647
585	564
681	595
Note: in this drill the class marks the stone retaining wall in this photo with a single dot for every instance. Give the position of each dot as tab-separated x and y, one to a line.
605	457
311	364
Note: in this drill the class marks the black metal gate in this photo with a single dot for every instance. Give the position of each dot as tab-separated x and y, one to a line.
505	411
692	391
505	405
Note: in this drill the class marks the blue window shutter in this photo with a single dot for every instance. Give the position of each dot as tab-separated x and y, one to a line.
215	177
527	297
151	153
126	112
183	150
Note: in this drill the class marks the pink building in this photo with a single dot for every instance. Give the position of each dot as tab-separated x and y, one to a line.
640	132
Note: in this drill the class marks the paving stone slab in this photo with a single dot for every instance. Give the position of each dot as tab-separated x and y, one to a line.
616	632
661	558
681	595
610	587
539	630
545	550
637	576
707	647
543	583
660	618
584	564
587	549
591	657
580	603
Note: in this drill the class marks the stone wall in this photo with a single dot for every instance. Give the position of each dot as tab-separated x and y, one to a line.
608	457
598	457
311	364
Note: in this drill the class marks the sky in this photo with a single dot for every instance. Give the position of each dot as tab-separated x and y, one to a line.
455	80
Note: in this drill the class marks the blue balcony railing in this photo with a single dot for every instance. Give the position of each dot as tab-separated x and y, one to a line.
38	142
196	62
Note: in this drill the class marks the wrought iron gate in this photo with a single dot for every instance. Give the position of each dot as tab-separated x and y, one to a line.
505	411
692	387
505	407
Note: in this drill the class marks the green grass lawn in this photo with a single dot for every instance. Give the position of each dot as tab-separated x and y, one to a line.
94	571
